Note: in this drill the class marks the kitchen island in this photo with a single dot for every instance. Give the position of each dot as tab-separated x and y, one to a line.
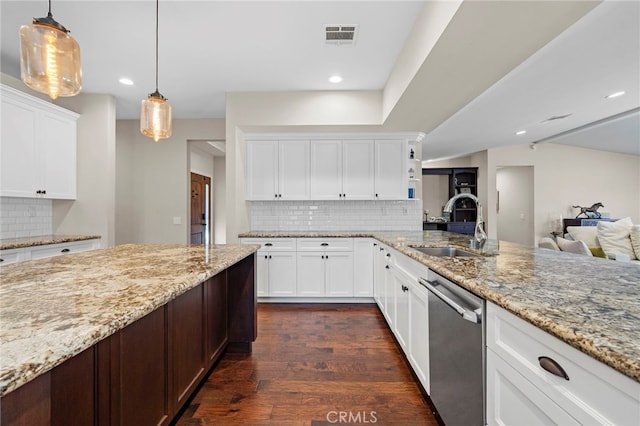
112	314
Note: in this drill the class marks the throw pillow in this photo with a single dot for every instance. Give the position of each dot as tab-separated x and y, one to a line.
635	239
588	234
577	247
598	252
548	243
614	237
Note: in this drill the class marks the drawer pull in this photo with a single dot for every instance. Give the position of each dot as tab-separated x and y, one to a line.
268	244
324	244
1	259
552	367
405	288
65	250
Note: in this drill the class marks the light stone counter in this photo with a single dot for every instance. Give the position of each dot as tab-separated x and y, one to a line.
592	304
12	243
52	309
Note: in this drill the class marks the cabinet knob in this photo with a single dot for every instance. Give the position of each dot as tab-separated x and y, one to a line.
376	195
387	267
388	254
1	259
552	367
66	250
405	288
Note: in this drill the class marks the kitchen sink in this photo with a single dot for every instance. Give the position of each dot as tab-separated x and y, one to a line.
445	252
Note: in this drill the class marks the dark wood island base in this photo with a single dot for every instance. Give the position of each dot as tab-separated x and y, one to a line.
146	372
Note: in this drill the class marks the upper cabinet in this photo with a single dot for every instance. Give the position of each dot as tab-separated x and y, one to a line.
37	148
277	170
336	166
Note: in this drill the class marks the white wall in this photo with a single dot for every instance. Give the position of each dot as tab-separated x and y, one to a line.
435	193
566	176
158	175
220	200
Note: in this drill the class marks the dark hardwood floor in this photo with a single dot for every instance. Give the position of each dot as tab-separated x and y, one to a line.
313	365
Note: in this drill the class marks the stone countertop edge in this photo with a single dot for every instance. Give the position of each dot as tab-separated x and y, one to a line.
108	289
41	240
530	283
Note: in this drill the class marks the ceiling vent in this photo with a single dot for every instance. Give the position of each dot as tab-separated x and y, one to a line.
340	34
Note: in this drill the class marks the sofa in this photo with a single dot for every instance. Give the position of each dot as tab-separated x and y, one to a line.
617	240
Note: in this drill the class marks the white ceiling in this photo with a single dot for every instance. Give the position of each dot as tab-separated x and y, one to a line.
208	48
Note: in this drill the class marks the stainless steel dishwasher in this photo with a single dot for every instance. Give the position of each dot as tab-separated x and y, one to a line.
456	352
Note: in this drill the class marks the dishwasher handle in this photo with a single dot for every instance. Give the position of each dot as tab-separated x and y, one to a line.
469	315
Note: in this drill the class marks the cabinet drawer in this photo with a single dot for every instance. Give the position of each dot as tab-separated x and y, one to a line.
272	244
325	244
594	393
50	250
11	256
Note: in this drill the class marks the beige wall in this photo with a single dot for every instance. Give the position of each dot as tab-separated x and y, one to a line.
158	176
566	176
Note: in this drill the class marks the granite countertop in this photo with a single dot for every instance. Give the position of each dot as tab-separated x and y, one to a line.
592	304
52	309
13	243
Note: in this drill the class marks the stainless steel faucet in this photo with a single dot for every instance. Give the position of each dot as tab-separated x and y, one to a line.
479	235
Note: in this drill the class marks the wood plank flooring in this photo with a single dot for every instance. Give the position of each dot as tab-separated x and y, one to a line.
313	365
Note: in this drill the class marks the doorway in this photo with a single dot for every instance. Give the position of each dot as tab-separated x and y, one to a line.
515	204
200	209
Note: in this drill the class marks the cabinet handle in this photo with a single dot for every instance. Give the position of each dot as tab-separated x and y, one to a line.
265	256
405	288
279	195
388	254
552	367
66	250
375	244
44	191
324	244
376	195
268	244
381	248
275	195
1	259
269	256
387	267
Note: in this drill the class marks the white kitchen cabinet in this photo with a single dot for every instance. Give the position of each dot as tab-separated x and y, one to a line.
399	307
381	272
10	256
50	250
37	148
276	266
363	267
419	333
277	170
325	267
391	169
521	391
46	250
342	169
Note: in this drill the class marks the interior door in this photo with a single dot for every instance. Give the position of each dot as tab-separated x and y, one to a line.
199	208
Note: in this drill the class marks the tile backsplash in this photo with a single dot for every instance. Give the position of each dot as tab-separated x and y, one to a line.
405	215
25	217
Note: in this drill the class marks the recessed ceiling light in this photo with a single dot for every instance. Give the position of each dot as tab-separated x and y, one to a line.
126	81
614	95
335	79
521	132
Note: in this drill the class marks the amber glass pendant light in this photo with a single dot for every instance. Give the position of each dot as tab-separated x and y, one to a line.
155	116
50	58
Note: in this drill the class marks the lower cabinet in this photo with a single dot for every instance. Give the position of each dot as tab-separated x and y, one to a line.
520	390
145	373
325	274
46	250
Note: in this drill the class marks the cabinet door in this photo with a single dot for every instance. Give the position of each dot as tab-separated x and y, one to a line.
419	334
262	273
139	372
513	400
379	283
363	267
293	170
389	297
18	172
326	170
57	156
282	274
262	170
357	169
338	274
401	292
311	274
216	317
390	175
186	344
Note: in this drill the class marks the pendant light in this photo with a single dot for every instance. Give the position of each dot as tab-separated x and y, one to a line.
50	58
155	116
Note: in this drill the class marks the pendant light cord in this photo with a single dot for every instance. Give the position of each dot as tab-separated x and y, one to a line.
157	5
